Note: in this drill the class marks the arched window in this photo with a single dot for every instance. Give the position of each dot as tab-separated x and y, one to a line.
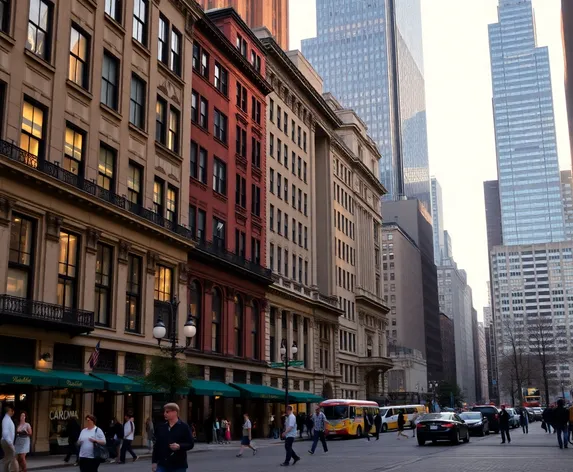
195	311
255	317
217	311
239	310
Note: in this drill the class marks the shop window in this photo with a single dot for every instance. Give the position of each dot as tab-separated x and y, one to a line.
65	405
21	258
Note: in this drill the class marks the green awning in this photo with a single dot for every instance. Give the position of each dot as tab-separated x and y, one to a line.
119	383
26	376
72	379
212	388
150	389
259	391
304	397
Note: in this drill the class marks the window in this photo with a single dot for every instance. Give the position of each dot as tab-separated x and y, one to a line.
286	155
106	168
306	237
205	64
242	45
79	55
110	81
21	257
292	130
279	150
279	221
163	40
279	112
219	233
220	126
255	200
158	197
272	218
256	110
241	142
293	196
306	272
163	284
285	123
299	167
279	259
272	110
171	205
256	152
298	137
176	51
272	256
113	9
299	199
137	101
140	21
304	172
286	263
286	226
300	234
220	176
294	267
195	157
196	57
238	326
221	79
32	134
255	320
194	106
241	97
300	269
40	28
279	181
216	313
134	191
271	145
293	230
73	151
104	270
256	250
161	120
201	224
286	190
203	113
240	243
255	61
241	192
304	141
173	131
68	270
133	295
305	204
195	311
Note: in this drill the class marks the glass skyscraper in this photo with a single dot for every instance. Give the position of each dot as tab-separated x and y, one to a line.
370	55
528	168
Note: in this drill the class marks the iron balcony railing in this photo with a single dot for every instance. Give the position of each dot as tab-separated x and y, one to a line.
45	312
52	169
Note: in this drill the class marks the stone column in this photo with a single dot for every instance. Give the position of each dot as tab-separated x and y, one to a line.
41	428
300	340
121	287
92	238
278	335
311	344
148	299
333	339
52	257
228	323
289	335
6	205
207	316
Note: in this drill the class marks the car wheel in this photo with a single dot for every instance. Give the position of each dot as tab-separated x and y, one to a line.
359	432
456	438
421	442
467	438
434	441
384	428
482	433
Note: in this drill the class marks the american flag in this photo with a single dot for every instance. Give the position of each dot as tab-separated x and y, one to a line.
92	361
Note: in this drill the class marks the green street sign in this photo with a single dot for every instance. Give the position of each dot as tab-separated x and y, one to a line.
277	365
296	363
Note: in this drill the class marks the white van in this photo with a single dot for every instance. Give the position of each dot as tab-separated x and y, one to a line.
389	415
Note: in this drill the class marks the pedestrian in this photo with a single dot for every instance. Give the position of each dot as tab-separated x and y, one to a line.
208	427
172	441
401	424
378	424
22	442
228	433
570	420
319	422
247	436
224	426
7	442
128	435
524	420
290	435
149	433
217	430
300	424
413	422
116	437
368	421
504	425
560	423
547	417
309	426
89	436
73	431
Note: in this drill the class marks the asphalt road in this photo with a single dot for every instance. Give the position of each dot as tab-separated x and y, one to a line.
536	452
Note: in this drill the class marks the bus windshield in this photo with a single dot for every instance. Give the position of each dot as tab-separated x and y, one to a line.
339	412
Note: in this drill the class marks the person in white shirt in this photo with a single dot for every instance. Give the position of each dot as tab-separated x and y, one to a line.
128	435
90	434
290	435
8	436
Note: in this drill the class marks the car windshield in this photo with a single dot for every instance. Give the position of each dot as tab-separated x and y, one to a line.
471	416
383	412
437	416
339	412
511	411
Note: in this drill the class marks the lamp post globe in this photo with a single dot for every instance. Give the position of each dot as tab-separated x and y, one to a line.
294	349
283	350
159	330
189	330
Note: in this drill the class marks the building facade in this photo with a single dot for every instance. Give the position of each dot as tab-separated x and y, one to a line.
448	348
384	84
271	14
567	198
437	221
483	365
567	22
93	214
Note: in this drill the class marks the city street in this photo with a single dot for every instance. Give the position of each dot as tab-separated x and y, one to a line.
536	452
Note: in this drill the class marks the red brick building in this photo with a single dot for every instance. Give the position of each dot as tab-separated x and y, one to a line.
227	278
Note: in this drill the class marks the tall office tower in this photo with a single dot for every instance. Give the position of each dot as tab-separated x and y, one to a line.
447	247
437	220
567	196
370	56
567	22
273	14
492	214
528	168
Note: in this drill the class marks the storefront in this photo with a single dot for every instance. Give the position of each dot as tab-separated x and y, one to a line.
257	400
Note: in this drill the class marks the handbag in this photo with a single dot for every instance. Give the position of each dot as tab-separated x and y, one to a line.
101	452
543	425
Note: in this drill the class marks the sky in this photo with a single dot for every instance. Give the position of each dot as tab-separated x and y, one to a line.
460	122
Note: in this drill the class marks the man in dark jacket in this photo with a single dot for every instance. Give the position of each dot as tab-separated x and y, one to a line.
172	441
504	425
368	420
547	416
560	421
378	424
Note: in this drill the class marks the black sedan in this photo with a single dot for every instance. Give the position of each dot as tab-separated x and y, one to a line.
476	421
442	427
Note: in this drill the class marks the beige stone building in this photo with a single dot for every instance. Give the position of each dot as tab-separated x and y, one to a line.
93	202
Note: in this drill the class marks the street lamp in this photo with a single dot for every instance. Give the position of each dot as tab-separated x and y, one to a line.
286	360
160	331
433	385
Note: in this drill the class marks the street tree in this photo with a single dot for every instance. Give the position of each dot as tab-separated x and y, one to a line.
167	375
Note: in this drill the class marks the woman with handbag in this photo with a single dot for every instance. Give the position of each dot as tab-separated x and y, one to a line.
92	446
22	442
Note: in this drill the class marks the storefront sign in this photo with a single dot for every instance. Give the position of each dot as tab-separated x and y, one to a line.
268	397
74	384
63	415
21	380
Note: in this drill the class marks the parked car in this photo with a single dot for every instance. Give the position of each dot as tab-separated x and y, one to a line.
476	421
538	411
491	413
531	414
513	418
442	427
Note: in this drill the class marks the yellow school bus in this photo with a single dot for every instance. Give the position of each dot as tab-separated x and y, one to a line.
346	417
